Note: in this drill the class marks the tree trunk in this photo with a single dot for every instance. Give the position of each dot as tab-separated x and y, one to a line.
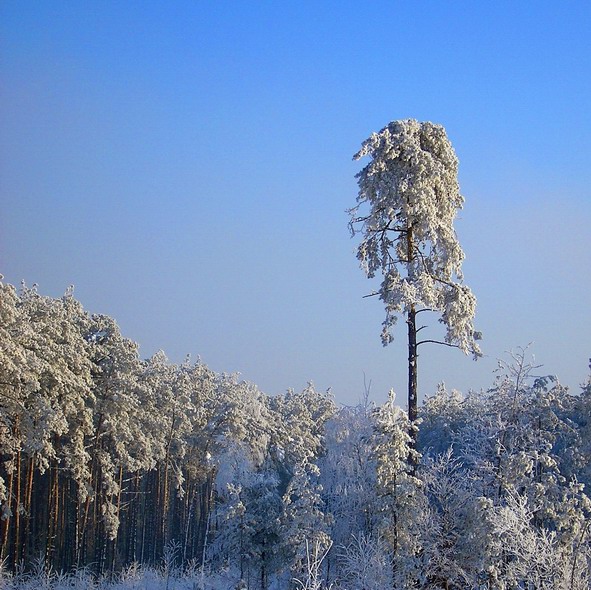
28	496
412	369
53	516
17	512
412	354
6	522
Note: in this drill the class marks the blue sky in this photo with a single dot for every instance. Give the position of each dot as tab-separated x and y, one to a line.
187	166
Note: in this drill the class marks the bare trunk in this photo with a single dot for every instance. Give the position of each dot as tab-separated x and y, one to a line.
115	541
28	496
164	515
53	516
7	521
17	512
165	491
412	366
412	355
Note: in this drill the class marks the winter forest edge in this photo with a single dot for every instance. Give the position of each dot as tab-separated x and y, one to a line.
121	472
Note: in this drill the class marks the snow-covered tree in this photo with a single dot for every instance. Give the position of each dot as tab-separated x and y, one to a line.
247	513
106	459
577	451
348	476
50	420
401	498
299	444
365	563
454	540
508	481
530	556
412	192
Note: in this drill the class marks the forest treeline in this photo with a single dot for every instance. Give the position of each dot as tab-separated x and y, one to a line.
107	459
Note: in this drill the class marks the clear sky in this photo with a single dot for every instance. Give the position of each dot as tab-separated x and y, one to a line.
187	166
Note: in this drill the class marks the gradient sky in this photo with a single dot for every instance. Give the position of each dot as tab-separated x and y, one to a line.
187	166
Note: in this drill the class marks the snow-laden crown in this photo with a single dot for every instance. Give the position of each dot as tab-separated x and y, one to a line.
412	191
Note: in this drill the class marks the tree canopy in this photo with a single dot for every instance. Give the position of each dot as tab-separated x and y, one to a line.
411	189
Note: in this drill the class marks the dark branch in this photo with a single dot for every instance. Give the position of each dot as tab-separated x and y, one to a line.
13	399
437	342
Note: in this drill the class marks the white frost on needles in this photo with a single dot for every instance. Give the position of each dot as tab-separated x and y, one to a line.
411	188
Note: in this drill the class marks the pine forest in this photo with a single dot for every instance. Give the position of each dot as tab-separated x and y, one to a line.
118	470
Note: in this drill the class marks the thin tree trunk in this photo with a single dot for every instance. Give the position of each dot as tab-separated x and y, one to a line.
7	522
17	502
412	385
157	543
142	515
412	355
82	549
62	524
165	491
206	535
121	532
82	521
189	517
28	496
134	506
164	515
53	516
412	368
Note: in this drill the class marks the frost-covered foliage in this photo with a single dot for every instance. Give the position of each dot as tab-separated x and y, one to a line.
133	577
106	459
348	475
412	191
131	473
401	499
507	509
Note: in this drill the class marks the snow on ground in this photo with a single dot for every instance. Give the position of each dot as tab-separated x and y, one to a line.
133	578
